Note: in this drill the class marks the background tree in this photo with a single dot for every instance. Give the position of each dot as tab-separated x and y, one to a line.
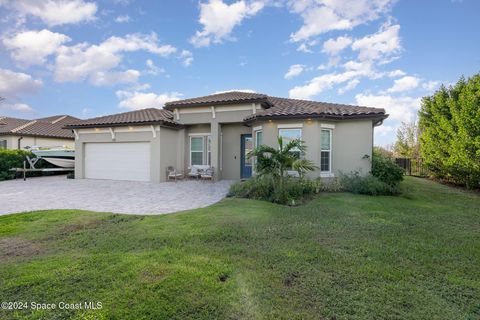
385	152
450	139
407	144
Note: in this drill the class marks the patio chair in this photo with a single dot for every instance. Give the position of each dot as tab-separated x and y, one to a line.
208	174
193	172
197	170
173	174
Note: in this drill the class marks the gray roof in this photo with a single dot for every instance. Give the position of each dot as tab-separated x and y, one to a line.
49	127
137	117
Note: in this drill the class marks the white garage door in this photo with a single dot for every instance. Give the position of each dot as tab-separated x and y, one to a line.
118	161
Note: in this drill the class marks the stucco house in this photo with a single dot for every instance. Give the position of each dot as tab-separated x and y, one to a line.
44	132
219	130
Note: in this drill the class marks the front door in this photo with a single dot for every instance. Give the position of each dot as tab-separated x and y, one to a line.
246	163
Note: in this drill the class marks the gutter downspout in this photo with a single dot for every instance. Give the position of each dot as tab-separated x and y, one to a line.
19	143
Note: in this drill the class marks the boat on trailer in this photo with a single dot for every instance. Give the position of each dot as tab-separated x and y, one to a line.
63	157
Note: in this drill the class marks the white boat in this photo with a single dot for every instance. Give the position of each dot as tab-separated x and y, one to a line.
59	156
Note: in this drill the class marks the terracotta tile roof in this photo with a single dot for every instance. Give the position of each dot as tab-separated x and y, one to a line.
284	107
50	127
218	98
137	117
275	107
9	124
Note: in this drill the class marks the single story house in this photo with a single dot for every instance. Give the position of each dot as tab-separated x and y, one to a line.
219	130
43	132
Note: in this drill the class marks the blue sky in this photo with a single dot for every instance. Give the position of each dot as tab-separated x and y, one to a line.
89	58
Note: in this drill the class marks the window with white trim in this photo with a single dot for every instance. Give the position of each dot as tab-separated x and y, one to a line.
3	144
209	150
289	135
196	150
326	150
258	138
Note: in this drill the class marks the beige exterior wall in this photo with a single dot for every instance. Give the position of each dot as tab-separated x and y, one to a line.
352	142
12	142
168	150
160	157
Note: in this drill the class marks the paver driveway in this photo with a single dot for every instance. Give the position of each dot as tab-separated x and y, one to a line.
58	192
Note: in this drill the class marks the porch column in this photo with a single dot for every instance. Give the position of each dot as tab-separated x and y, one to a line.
215	147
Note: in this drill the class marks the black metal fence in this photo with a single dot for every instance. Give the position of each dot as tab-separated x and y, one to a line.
413	167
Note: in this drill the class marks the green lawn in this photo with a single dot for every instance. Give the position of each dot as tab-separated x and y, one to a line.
342	256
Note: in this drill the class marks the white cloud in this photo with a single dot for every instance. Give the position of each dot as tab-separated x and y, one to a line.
33	47
17	107
55	12
304	48
294	70
404	84
152	68
353	70
76	63
187	58
320	16
431	86
14	84
334	46
140	100
123	19
383	130
102	78
86	111
396	73
399	108
380	45
218	19
321	83
352	84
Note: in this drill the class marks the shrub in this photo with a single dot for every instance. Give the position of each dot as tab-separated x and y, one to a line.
450	132
369	185
386	170
291	191
11	159
14	159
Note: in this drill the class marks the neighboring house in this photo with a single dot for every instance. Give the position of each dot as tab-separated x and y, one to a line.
219	130
44	132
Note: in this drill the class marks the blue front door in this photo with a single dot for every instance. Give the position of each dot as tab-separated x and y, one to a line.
246	146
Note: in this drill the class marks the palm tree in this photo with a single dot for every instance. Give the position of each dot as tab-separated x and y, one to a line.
276	161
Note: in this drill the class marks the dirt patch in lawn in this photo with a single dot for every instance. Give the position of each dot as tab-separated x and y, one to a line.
17	247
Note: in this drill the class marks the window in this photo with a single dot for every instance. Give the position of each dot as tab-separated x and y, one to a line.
258	138
209	150
196	150
3	144
289	135
326	150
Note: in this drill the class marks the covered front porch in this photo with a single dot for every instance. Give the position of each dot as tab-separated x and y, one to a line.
222	146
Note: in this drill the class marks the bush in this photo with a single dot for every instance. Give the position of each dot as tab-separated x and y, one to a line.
11	159
450	140
14	159
386	170
369	185
291	191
